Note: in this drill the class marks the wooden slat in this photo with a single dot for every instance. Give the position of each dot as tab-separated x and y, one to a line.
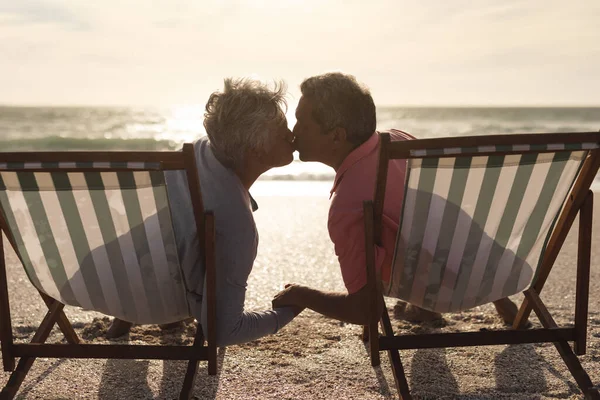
6	336
107	169
190	375
195	193
365	333
151	352
482	338
561	229
540	308
583	273
169	159
371	283
211	291
404	154
394	356
581	377
402	149
380	184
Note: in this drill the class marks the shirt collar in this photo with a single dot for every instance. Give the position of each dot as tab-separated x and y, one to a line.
355	156
253	203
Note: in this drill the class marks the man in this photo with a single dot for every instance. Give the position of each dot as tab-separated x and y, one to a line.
247	135
336	121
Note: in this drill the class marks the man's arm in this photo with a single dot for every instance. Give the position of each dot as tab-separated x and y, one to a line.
352	308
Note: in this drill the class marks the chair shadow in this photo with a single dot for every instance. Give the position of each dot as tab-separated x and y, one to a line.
506	370
205	386
125	379
430	370
534	382
129	378
568	381
24	391
384	387
428	366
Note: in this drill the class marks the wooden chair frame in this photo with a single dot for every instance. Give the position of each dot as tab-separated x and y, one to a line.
580	200
28	352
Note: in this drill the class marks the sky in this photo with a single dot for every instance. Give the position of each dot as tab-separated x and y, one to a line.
174	52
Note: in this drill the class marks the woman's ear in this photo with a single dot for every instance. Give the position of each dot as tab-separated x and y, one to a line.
257	154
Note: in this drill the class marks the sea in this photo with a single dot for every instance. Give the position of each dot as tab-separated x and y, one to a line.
155	128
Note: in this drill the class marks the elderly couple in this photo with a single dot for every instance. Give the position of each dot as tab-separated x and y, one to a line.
248	135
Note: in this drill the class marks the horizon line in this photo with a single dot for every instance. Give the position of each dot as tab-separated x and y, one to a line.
458	105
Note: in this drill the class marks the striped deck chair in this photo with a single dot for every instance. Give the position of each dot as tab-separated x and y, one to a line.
94	230
484	218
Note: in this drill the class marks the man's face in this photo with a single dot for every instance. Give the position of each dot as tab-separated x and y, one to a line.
309	139
282	152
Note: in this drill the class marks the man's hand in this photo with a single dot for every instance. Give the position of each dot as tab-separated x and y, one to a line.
288	297
352	308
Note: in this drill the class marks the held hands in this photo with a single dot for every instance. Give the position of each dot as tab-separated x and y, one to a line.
291	296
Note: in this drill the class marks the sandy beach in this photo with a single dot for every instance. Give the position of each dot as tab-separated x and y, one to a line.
315	357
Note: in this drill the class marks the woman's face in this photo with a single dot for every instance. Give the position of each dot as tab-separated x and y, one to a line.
282	150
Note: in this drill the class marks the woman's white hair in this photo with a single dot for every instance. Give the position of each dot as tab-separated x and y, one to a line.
237	119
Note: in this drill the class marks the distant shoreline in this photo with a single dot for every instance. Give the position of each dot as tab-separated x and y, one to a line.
379	107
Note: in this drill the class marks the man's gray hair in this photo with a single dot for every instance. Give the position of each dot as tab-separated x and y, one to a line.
237	119
338	100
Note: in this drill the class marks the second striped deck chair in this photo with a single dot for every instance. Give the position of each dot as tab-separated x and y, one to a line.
94	230
484	218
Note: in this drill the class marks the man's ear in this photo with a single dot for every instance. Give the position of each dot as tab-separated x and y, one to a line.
339	135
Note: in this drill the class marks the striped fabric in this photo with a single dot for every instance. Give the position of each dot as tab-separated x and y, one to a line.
504	149
473	229
101	240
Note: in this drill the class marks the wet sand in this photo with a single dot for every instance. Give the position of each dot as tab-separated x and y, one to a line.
315	357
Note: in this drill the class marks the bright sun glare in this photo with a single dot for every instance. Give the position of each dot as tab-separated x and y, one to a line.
185	123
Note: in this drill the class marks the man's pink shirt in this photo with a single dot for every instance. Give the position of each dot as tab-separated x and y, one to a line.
355	183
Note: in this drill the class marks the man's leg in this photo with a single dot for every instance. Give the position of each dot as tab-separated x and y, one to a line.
505	307
507	310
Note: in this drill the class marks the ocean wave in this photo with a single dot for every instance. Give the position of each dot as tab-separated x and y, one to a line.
330	177
54	143
303	176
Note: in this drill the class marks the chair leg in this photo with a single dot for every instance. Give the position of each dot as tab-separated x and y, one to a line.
374	342
581	377
394	356
365	333
584	251
62	321
6	334
25	363
190	374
